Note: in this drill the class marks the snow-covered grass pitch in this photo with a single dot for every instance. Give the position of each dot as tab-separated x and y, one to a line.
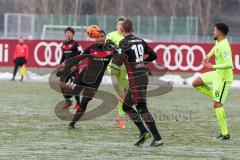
30	130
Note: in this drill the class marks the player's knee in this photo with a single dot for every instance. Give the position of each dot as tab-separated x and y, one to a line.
126	108
197	82
217	104
67	96
194	84
142	108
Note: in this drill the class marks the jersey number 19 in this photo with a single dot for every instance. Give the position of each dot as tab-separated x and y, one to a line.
139	51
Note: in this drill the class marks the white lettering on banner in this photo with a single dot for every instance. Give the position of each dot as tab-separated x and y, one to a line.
4	53
178	57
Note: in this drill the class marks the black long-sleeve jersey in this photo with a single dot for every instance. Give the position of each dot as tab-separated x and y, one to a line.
97	58
70	49
135	56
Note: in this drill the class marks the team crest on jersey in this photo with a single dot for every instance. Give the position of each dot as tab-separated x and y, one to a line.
225	54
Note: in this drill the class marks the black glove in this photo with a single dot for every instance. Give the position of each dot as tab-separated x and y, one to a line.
59	73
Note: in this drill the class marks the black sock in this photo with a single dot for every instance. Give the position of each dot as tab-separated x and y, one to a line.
149	120
15	71
78	114
134	116
81	109
77	98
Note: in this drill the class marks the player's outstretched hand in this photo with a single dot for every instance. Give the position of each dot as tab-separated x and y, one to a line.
62	85
59	73
208	65
206	59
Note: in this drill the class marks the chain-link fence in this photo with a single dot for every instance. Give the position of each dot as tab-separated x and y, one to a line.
172	29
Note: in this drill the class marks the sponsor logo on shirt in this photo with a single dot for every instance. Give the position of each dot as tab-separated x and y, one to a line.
225	54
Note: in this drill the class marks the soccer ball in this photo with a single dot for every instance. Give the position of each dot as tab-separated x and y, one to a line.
93	31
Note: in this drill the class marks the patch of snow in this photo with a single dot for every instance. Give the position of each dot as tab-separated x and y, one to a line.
174	79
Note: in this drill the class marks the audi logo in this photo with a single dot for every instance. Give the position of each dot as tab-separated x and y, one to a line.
175	61
48	53
50	57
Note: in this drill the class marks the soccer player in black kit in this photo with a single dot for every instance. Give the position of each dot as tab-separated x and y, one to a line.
98	57
135	50
70	48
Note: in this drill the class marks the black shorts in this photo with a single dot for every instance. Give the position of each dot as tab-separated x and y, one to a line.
80	84
137	91
20	61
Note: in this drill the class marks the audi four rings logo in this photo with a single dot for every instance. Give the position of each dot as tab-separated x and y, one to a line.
176	61
48	53
173	61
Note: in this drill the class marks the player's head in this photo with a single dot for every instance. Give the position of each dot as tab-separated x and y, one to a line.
127	26
21	40
119	22
102	38
69	32
220	30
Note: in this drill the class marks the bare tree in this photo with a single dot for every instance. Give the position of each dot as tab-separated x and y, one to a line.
150	9
173	7
77	8
57	8
44	4
26	6
100	6
206	10
120	7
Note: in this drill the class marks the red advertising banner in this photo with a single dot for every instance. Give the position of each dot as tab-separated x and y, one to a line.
176	57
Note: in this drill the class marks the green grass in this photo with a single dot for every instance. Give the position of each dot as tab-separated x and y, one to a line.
30	130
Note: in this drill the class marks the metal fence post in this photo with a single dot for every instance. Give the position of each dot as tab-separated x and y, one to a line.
155	26
171	29
188	33
19	25
105	23
196	31
87	20
5	25
138	25
33	26
69	19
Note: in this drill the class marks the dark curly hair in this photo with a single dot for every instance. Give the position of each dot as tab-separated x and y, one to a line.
70	29
222	27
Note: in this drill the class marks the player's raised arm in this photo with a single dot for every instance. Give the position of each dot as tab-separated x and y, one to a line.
62	59
73	63
211	53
